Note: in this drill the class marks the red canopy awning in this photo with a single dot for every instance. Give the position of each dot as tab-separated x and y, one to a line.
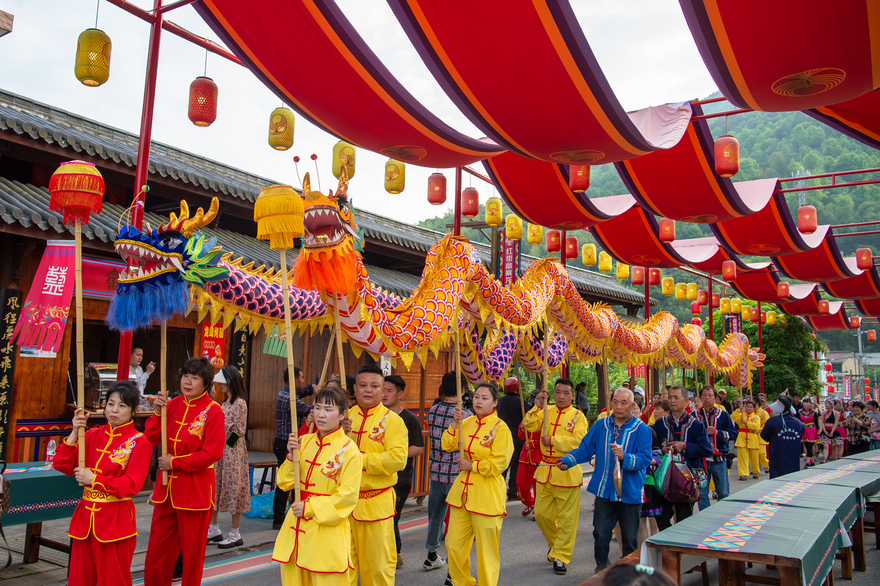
838	320
858	118
525	75
783	56
681	182
869	307
822	264
809	304
308	53
760	285
713	264
863	286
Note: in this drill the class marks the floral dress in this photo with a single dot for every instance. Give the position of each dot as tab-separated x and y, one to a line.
231	471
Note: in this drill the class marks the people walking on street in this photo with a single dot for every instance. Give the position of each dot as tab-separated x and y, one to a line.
858	429
511	410
722	433
809	416
783	432
749	422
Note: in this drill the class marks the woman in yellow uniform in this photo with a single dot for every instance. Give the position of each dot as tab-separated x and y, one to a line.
477	497
314	543
749	424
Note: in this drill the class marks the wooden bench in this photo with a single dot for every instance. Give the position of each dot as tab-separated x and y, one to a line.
269	465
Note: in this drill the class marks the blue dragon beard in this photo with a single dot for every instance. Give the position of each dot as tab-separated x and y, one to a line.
141	305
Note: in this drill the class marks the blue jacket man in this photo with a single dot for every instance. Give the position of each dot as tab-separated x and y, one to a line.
784	433
622	438
722	433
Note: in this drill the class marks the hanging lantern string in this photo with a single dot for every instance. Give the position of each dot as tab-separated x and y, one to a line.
97	9
296	166
206	63
725	125
317	175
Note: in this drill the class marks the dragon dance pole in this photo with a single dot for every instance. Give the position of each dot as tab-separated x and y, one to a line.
163	386
457	352
711	381
546	369
323	378
294	424
338	331
760	348
80	358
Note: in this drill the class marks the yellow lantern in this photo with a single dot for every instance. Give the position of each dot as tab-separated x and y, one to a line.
725	305
604	262
667	286
771	318
681	291
92	66
395	176
622	271
588	254
692	291
735	306
535	234
513	227
344	155
281	123
493	211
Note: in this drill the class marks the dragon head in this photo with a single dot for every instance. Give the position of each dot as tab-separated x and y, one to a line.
161	264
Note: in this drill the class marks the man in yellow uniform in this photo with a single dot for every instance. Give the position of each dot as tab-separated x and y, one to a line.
558	497
761	409
382	438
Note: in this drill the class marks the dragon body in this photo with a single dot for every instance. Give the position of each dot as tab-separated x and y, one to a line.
499	322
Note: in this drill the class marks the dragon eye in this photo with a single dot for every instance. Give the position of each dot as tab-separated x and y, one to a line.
171	242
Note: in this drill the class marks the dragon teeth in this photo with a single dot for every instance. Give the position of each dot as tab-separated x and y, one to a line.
176	262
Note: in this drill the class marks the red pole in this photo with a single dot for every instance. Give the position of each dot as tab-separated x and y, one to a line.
562	238
456	215
711	328
143	161
760	347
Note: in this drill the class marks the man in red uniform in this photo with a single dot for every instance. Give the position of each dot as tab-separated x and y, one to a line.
182	509
529	458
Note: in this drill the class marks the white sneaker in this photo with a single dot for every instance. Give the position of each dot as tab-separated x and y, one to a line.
214	536
429	565
232	540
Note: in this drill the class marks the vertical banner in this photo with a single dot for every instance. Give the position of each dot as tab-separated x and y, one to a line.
44	313
509	254
847	388
734	323
239	357
213	341
10	310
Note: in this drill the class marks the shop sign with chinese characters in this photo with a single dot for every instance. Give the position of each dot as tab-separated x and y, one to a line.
10	311
213	341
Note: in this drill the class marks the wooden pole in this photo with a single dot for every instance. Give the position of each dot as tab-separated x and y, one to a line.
338	331
163	387
323	378
457	352
546	369
80	358
294	425
606	384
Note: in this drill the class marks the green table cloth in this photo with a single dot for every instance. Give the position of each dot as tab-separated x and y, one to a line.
38	493
842	499
869	455
861	474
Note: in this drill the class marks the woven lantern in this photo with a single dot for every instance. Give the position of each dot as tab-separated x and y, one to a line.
395	176
724	307
202	101
771	318
622	271
638	275
344	155
828	367
735	305
281	124
436	189
554	241
728	270
571	247
470	202
278	213
681	291
824	306
92	66
754	315
783	289
76	189
692	291
830	378
605	264
727	156
697	322
807	222
579	178
695	308
493	211
512	227
667	286
702	297
667	230
864	258
588	254
653	277
716	300
535	234
854	322
872	335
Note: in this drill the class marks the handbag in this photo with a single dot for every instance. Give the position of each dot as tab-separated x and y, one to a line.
660	473
680	485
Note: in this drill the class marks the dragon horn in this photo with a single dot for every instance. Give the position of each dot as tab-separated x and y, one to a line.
175	223
307	185
200	219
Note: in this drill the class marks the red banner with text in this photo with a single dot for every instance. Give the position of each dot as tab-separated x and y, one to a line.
44	313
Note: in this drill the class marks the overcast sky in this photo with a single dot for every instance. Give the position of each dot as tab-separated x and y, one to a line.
644	47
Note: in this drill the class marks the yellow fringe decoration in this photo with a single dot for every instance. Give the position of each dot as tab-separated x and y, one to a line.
278	213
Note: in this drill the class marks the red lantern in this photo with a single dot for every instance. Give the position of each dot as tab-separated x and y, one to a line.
571	247
867	381
763	317
203	101
824	306
470	202
716	300
728	270
830	378
579	178
703	297
854	322
783	289
667	230
867	389
437	189
653	277
554	241
830	389
697	322
638	275
828	367
872	335
727	156
806	219
754	315
864	258
695	308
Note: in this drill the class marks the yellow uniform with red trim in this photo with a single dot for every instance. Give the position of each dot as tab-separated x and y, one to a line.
381	437
558	499
762	445
747	448
103	525
477	498
315	548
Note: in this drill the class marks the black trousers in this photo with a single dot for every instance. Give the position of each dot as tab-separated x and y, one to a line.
681	510
514	466
279	447
401	492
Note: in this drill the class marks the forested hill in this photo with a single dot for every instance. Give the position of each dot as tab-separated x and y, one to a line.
771	145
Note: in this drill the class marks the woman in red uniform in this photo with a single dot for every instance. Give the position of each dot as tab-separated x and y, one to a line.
182	509
103	528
